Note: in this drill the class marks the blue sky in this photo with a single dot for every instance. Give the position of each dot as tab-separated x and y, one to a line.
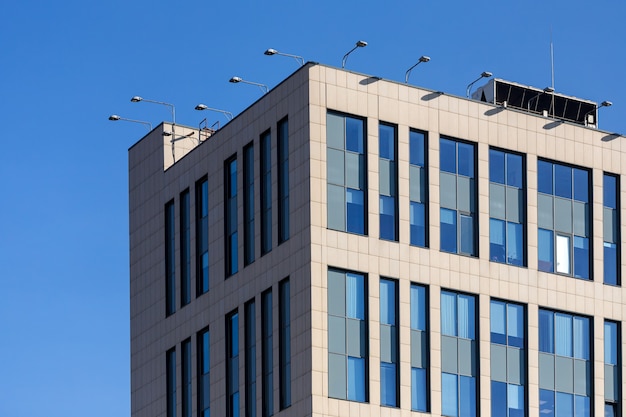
68	65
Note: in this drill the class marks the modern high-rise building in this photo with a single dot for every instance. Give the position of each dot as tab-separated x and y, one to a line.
354	246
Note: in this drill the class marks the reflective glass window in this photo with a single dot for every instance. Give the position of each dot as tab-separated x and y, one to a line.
346	173
283	180
202	236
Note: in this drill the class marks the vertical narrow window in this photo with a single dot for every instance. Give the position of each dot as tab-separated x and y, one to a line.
612	369
458	195
283	180
170	259
419	349
170	376
248	204
565	368
388	181
346	173
232	364
266	192
202	236
250	359
284	364
389	346
508	359
267	353
611	238
185	250
418	191
230	216
564	219
507	203
347	336
204	372
459	355
186	377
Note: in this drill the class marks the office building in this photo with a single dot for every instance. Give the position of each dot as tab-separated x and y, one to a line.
353	246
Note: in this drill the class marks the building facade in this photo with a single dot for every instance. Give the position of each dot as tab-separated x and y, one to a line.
352	246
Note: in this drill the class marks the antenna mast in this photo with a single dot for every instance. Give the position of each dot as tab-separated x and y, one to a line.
552	67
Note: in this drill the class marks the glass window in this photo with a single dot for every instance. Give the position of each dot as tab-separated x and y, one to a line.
612	365
248	204
347	316
185	251
566	201
170	367
230	217
389	345
507	383
267	349
458	334
507	207
611	240
283	180
250	325
232	364
569	336
388	178
417	148
546	250
204	369
170	259
447	160
458	195
186	377
202	236
449	395
284	316
448	230
419	349
266	192
346	173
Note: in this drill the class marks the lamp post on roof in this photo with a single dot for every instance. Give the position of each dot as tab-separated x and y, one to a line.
271	52
423	58
592	121
236	80
485	74
228	114
137	99
359	44
115	118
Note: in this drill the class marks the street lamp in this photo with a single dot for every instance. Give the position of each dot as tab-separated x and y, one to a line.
590	119
298	58
115	118
137	99
359	44
423	58
485	74
236	80
228	114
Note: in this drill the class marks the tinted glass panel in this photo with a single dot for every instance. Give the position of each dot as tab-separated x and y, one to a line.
562	181
609	191
581	185
448	230
447	159
544	177
466	160
514	170
416	148
496	166
546	250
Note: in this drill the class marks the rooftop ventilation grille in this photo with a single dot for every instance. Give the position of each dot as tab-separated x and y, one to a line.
536	101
